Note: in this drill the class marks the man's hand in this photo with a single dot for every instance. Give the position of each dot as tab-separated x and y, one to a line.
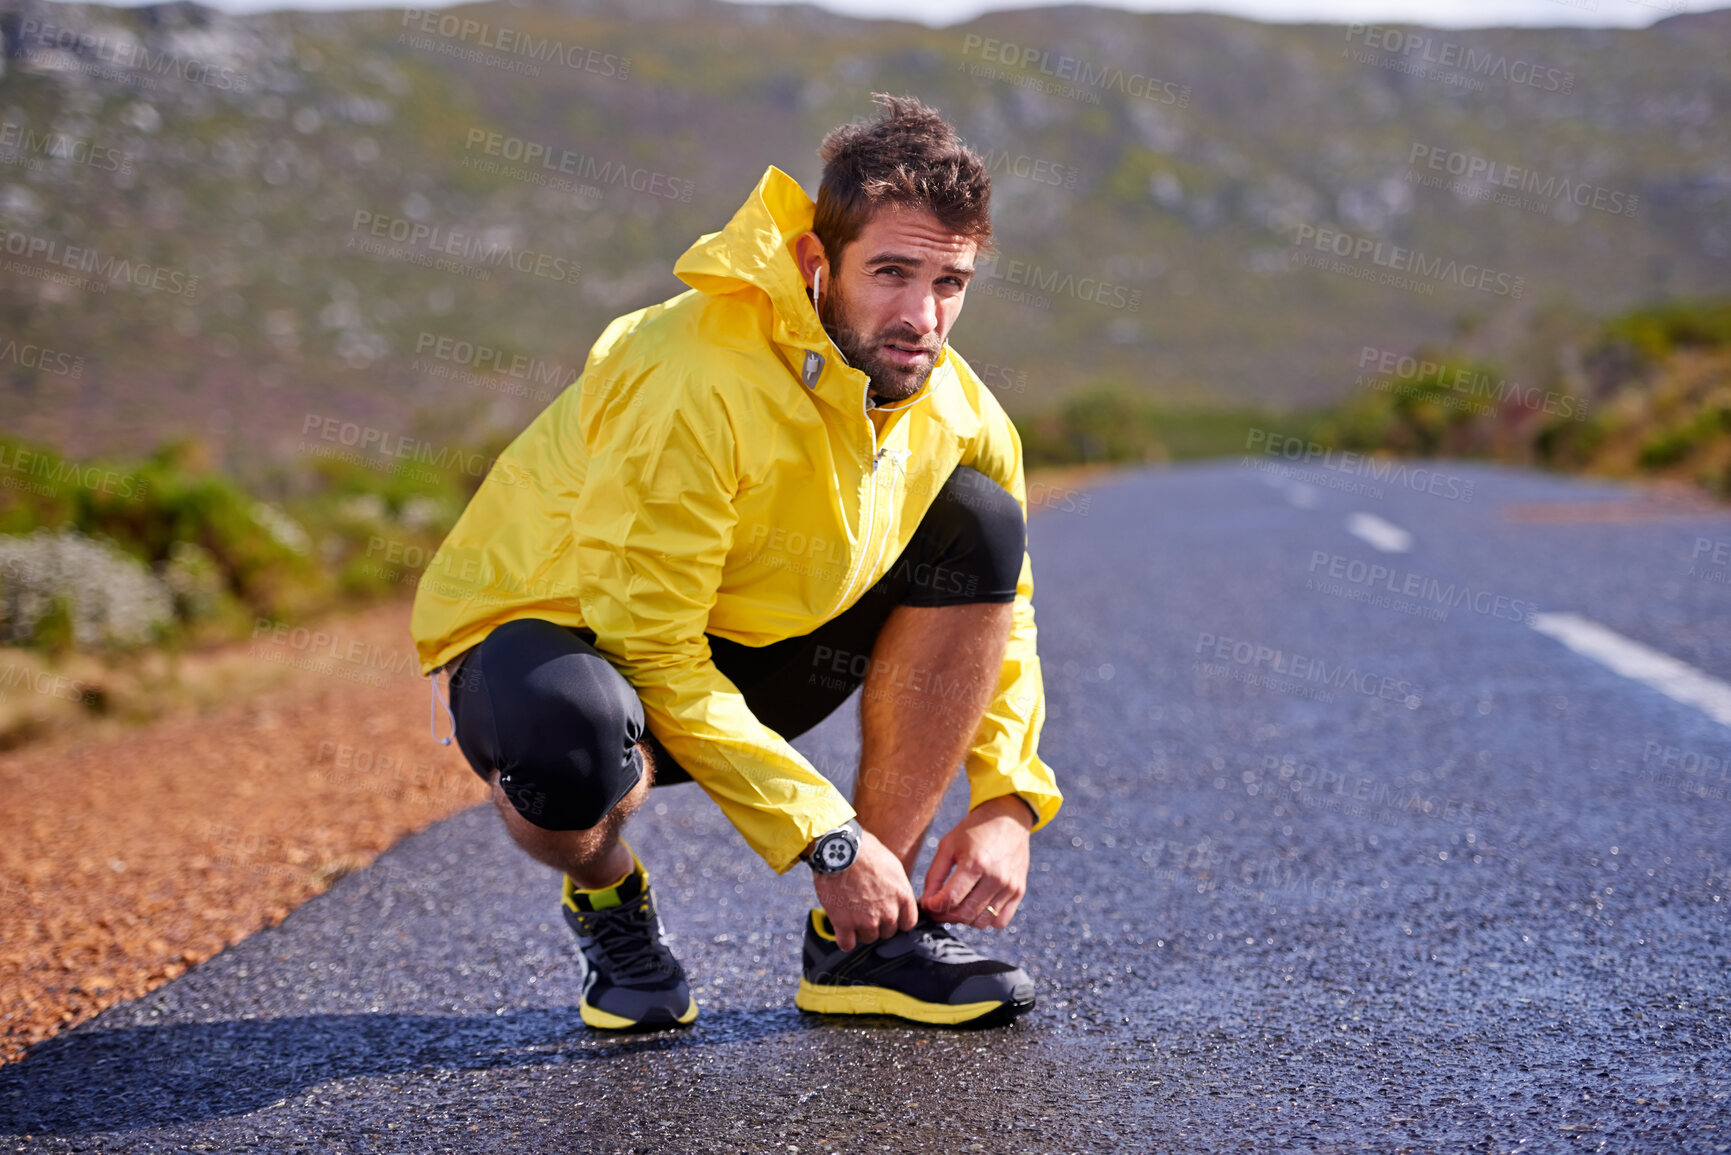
870	900
981	863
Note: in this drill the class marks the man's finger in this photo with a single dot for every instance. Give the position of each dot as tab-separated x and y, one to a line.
994	913
952	893
909	912
986	910
936	872
970	908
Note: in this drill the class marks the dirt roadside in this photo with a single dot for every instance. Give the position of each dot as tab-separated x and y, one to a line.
127	857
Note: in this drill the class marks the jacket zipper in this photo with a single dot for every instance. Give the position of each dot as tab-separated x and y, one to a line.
870	520
899	458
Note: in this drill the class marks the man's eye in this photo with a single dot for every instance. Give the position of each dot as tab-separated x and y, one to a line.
891	269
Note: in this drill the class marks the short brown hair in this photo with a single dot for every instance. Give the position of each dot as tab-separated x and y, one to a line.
910	156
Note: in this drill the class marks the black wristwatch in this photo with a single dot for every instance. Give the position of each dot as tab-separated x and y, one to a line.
836	850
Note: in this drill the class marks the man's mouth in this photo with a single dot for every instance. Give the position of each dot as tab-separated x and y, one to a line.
907	354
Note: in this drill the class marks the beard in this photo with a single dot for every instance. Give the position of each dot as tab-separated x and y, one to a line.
891	380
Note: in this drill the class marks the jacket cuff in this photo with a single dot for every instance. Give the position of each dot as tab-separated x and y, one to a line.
1043	800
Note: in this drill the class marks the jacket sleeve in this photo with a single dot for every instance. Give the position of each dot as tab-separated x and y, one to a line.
1004	757
651	530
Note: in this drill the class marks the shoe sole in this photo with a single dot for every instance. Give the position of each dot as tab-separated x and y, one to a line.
865	1000
656	1020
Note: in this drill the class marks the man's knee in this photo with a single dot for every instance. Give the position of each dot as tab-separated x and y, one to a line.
576	790
969	545
979	506
560	726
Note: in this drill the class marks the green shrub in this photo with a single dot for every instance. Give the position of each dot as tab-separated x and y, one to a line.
1116	425
222	555
1655	332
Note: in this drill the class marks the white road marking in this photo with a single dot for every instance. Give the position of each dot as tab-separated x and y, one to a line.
1383	535
1672	678
1303	496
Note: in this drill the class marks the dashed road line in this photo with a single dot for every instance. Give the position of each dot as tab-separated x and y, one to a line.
1383	535
1677	680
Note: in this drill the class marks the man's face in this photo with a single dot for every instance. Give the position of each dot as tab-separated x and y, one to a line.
888	304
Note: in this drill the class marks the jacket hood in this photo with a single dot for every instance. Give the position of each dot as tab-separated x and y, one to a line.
755	250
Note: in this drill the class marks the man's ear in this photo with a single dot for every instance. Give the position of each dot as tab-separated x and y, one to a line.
809	255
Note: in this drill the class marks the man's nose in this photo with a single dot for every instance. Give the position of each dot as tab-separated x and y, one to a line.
920	312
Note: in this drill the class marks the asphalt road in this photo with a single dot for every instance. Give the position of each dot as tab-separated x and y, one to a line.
1336	873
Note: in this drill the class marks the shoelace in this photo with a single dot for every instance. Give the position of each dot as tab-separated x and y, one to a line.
625	937
943	946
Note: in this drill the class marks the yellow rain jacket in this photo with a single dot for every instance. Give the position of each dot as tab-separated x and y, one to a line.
715	469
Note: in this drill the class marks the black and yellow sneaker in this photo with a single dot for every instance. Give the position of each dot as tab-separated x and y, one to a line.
924	974
631	981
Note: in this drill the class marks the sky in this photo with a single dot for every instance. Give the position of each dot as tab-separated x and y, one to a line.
1436	13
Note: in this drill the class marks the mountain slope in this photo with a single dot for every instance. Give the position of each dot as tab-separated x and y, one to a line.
275	226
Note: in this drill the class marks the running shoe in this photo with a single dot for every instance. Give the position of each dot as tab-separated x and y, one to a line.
631	981
925	974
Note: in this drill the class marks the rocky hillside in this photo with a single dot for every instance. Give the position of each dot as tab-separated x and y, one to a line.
293	233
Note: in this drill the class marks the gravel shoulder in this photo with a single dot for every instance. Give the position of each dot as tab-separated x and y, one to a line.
128	855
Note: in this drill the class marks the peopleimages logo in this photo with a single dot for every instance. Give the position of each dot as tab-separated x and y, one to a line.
489	359
1000	377
102	55
39	357
1718	554
1399	259
1384	470
26	143
46	683
1001	162
454	250
110	270
1476	391
365	440
1471	169
57	476
1413	50
1038	279
1386	586
1301	668
534	155
1073	70
520	50
478	579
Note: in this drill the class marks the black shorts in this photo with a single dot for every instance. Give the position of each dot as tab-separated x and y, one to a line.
536	702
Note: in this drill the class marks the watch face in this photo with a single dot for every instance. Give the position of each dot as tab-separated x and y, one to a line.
835	853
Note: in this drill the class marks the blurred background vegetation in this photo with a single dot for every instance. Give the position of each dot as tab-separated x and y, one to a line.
186	554
159	487
167	550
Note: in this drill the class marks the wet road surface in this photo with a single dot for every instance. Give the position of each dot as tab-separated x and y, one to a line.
1354	858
